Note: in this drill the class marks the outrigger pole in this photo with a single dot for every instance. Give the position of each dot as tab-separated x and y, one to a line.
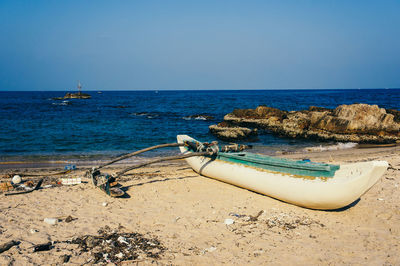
204	149
103	181
140	151
168	158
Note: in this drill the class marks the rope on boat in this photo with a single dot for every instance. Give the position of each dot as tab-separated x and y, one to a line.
198	149
141	151
168	158
196	146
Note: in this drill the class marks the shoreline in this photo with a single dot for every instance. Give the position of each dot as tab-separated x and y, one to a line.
313	152
262	146
187	213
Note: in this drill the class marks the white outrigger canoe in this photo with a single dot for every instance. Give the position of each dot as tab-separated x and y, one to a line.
303	183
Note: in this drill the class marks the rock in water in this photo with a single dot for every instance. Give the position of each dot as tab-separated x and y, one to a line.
229	132
361	123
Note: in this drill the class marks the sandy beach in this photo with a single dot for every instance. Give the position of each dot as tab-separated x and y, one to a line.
222	84
186	215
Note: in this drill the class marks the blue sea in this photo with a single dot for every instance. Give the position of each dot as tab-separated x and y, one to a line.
33	125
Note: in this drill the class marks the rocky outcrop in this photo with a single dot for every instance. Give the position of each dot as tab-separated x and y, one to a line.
77	95
360	123
226	131
395	113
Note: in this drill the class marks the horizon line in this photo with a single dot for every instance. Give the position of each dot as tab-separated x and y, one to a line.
243	89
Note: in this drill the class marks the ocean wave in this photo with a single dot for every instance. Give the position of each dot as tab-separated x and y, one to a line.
146	114
198	117
338	146
99	125
62	103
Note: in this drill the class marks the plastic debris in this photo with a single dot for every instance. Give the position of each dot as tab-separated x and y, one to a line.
236	215
50	221
104	204
70	167
26	191
113	246
211	249
16	179
229	221
6	186
71	181
122	239
29	183
24	186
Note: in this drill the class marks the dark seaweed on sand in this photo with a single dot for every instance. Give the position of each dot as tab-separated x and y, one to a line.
114	246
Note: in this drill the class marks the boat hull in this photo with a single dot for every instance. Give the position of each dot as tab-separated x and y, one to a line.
348	184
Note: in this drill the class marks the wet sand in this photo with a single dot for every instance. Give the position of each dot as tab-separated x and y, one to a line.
186	213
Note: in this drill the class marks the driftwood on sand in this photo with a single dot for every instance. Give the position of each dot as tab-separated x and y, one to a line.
6	246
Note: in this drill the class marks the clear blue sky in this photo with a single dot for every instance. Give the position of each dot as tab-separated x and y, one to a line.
49	45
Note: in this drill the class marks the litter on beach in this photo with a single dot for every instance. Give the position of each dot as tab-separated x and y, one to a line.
71	181
6	186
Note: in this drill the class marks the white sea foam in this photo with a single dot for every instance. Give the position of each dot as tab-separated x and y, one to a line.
147	115
62	103
338	146
196	117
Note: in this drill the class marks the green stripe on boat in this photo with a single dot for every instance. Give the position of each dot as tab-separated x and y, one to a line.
303	168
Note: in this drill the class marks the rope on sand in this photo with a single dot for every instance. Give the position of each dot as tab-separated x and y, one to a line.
48	174
392	168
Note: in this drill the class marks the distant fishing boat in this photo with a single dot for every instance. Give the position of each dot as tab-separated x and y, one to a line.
77	95
303	183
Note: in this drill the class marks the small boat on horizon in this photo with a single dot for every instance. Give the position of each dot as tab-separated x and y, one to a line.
303	183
